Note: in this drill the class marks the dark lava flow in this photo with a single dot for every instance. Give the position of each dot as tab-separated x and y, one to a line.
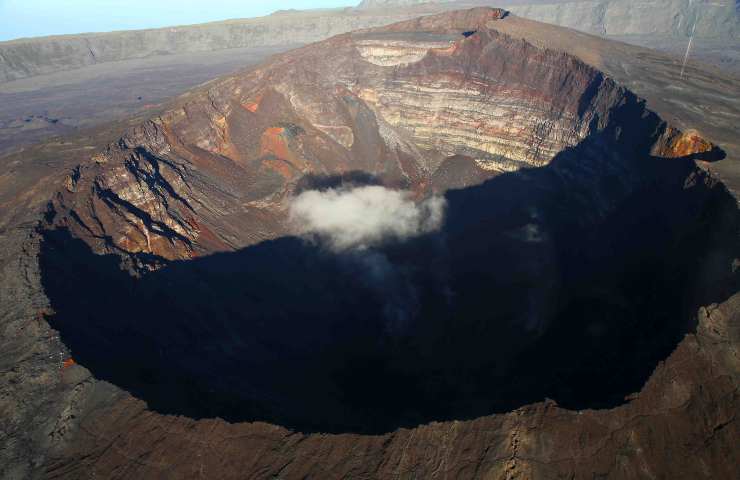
570	282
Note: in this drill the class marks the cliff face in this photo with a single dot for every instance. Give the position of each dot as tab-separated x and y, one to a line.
585	259
399	103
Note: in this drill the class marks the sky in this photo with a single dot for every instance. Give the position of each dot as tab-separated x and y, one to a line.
33	18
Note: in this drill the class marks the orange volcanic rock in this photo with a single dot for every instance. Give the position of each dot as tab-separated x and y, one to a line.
273	143
681	144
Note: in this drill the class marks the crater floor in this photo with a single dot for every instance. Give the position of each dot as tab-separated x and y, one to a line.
526	293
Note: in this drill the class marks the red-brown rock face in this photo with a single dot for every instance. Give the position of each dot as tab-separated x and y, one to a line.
579	242
398	102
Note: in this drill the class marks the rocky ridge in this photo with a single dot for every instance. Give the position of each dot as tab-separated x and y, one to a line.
611	17
201	177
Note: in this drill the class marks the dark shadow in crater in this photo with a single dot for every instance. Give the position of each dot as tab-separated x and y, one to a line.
713	155
570	281
349	179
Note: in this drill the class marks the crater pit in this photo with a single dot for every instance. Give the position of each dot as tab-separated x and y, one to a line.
580	237
529	291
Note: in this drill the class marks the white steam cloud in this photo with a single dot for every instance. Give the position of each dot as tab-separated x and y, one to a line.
363	217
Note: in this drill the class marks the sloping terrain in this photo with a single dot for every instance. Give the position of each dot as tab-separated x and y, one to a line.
663	25
641	20
25	58
611	17
575	315
60	85
66	102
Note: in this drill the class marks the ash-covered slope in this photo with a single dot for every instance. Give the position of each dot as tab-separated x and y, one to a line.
580	241
25	58
663	25
671	18
367	4
653	24
612	17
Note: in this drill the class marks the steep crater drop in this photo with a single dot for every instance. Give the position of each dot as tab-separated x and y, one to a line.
568	278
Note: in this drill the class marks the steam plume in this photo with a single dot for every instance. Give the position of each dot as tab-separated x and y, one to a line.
363	217
353	221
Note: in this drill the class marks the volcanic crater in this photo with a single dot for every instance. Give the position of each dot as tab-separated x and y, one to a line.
580	237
